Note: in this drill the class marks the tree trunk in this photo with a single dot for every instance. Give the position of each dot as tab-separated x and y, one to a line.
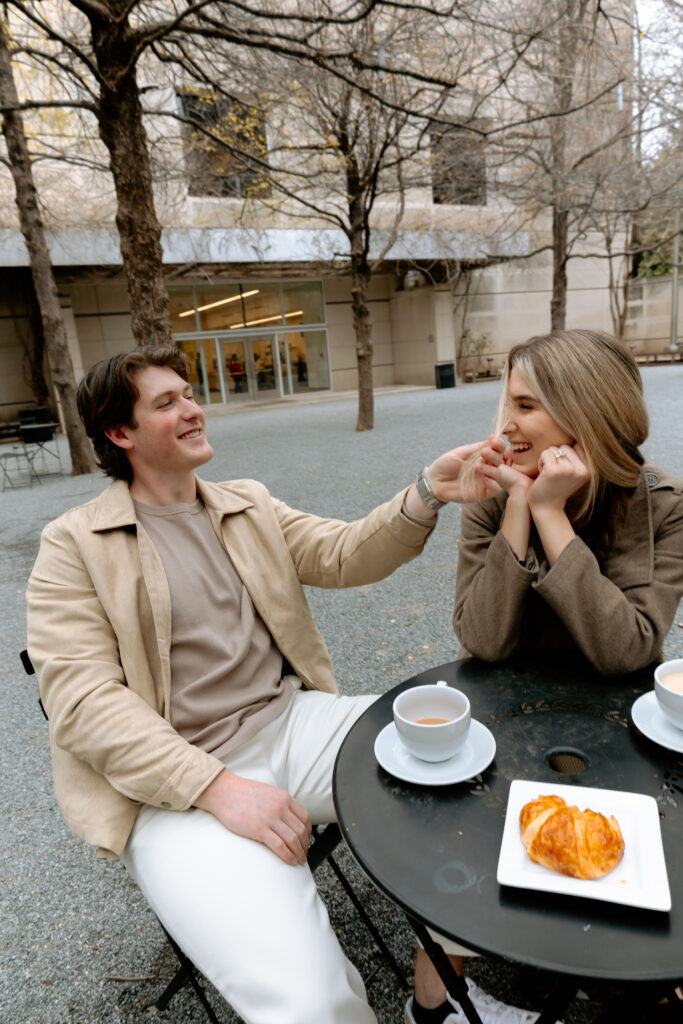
35	352
362	326
56	347
119	115
558	302
24	310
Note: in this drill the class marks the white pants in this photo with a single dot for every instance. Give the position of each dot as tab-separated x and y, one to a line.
252	924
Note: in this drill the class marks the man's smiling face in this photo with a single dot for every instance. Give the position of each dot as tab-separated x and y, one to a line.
169	435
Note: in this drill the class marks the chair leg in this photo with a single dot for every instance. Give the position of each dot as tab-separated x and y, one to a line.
184	975
369	924
325	840
179	980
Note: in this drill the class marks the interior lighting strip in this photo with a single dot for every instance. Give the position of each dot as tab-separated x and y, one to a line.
266	319
221	302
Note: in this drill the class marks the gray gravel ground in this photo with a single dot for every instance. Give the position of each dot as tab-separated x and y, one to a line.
77	941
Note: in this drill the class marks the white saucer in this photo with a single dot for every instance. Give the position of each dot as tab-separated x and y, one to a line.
653	723
477	754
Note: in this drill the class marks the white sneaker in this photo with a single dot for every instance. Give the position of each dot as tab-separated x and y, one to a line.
457	1017
491	1010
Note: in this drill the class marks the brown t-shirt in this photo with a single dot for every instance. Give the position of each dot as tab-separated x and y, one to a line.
226	672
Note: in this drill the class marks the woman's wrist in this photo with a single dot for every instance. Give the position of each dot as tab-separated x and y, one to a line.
518	497
516	523
554	529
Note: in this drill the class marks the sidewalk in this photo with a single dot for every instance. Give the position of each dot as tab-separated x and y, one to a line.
78	944
234	408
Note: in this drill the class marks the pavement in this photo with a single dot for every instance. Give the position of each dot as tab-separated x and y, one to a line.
77	942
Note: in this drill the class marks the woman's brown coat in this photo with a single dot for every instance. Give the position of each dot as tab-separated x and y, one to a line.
616	616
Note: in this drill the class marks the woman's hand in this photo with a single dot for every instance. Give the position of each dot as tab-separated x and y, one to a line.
562	472
497	468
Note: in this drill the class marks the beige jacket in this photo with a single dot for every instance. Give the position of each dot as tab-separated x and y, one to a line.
99	634
617	617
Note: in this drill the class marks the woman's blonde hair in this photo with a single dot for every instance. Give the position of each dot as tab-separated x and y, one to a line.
591	386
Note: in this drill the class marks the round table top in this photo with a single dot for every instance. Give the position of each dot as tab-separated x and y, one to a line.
434	850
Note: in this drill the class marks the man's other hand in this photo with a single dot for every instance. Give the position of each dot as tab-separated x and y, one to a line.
261	812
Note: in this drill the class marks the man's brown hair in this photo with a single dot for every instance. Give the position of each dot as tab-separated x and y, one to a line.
107	396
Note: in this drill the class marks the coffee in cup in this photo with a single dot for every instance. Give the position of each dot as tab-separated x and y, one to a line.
669	690
432	721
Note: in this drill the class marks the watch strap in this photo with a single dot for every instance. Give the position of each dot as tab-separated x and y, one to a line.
425	492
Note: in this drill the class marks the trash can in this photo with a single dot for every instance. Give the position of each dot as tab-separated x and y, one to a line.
444	374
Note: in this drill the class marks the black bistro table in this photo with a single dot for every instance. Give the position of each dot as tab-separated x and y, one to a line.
434	850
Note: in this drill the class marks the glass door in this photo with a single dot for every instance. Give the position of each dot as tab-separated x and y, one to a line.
250	371
235	362
265	372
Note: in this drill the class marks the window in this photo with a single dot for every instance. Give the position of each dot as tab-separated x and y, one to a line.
458	167
225	158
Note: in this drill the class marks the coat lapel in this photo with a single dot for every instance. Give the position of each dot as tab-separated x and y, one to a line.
631	560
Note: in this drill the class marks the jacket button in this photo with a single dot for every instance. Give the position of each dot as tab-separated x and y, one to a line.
165	804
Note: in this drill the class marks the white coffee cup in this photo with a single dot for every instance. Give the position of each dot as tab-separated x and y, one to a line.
432	740
670	700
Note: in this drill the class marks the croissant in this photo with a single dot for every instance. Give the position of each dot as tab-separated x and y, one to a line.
583	844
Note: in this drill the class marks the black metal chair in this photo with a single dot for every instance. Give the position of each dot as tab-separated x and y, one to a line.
35	414
324	841
35	435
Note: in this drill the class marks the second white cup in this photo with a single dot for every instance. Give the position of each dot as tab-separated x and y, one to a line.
669	690
432	721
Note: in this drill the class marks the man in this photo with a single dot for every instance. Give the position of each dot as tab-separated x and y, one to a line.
194	714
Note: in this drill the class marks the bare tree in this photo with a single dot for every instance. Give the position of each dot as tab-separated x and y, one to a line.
56	346
344	143
99	46
573	90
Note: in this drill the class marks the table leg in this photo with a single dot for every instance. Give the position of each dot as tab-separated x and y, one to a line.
561	998
455	985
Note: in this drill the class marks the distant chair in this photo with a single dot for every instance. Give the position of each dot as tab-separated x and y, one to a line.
35	414
36	430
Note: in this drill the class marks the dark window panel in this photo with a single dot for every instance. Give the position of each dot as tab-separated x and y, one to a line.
458	168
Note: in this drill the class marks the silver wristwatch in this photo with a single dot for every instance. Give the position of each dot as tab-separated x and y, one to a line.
425	492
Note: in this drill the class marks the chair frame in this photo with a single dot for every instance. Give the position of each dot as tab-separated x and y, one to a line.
324	841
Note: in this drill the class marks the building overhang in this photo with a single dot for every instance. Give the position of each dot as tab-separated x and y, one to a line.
90	247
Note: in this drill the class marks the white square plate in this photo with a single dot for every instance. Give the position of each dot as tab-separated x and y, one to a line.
640	880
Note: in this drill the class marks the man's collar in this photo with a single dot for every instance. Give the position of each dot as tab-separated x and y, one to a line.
115	507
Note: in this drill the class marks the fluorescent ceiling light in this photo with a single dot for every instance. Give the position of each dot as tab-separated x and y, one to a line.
266	319
221	302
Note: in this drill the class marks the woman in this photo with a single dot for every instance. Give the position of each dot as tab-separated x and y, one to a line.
583	546
581	549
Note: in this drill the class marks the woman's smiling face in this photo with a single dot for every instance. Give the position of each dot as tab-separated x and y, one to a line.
529	427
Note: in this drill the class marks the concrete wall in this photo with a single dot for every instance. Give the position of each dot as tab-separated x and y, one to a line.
648	324
423	333
102	320
509	303
341	336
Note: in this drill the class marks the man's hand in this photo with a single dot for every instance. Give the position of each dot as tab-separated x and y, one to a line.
261	812
443	476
